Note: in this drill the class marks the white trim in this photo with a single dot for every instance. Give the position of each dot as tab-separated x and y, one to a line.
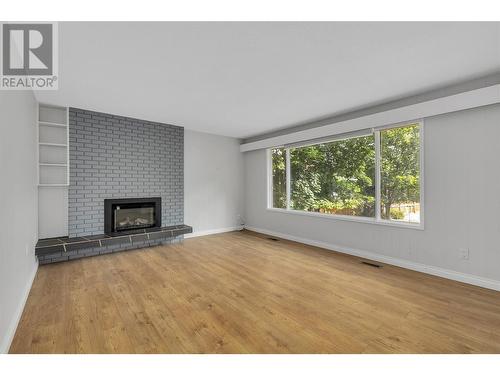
213	231
37	129
422	173
377	176
269	166
358	219
11	331
288	178
466	100
419	267
67	142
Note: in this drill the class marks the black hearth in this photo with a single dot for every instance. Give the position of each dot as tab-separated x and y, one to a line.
128	214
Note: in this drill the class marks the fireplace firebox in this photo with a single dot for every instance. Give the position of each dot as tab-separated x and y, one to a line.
121	215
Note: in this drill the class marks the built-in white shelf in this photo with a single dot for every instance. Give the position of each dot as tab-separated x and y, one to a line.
52	144
53	170
53	185
53	151
53	124
52	165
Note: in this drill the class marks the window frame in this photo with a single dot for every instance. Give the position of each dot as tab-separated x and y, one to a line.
361	219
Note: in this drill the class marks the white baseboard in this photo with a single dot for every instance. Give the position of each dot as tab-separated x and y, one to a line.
436	271
11	331
213	231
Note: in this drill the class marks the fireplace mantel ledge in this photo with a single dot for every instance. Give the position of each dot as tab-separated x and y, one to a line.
65	244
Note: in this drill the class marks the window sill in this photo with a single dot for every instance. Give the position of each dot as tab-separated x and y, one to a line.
364	220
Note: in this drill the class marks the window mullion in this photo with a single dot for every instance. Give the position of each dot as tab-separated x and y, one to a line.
377	175
270	179
287	174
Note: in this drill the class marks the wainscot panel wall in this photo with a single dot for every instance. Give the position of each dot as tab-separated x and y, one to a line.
462	182
120	157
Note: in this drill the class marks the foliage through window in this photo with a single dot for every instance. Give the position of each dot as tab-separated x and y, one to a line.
335	178
340	177
279	177
400	174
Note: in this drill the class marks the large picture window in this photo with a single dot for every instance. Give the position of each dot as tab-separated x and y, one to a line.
370	176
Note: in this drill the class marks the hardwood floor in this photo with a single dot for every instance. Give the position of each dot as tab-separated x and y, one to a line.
243	293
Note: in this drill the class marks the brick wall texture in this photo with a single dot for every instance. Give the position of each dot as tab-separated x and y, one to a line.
120	157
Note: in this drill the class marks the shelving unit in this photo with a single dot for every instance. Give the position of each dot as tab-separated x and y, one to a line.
53	170
53	141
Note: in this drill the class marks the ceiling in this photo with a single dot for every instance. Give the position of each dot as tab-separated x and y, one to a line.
244	79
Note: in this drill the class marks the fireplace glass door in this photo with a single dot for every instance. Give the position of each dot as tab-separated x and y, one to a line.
126	218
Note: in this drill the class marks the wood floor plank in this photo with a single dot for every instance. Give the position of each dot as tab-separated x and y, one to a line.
243	293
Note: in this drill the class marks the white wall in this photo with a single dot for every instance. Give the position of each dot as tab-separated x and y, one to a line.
18	202
213	182
462	205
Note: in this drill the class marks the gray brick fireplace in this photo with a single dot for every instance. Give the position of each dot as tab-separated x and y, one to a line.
120	157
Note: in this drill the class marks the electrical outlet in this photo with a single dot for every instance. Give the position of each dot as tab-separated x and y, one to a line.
464	254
